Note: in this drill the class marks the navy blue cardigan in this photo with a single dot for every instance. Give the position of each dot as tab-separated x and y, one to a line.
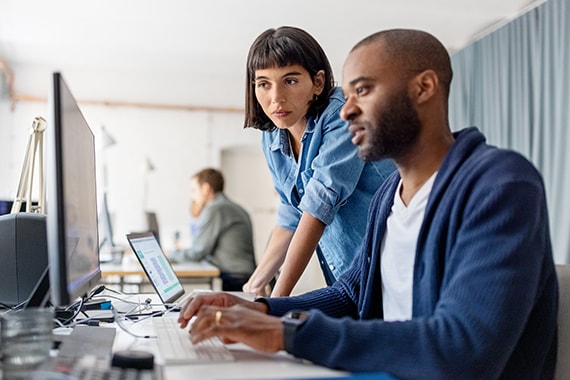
485	294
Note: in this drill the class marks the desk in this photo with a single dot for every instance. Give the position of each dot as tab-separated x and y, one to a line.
189	271
249	364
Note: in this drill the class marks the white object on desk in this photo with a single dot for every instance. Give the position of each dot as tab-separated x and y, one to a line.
248	364
175	347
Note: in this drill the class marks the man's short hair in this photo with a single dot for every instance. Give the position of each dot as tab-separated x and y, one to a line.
212	177
415	51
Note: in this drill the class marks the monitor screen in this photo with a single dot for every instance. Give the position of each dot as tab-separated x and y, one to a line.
72	235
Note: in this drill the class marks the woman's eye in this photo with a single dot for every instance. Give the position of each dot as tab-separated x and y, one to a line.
291	81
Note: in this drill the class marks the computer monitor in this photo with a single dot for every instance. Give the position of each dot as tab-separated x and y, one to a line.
72	234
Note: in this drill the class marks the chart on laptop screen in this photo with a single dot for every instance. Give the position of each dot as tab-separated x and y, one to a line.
157	267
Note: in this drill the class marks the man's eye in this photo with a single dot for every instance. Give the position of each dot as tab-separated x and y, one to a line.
361	90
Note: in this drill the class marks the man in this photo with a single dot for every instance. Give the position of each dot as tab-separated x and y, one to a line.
224	234
455	279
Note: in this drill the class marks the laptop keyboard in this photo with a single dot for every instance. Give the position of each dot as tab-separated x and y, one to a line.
175	347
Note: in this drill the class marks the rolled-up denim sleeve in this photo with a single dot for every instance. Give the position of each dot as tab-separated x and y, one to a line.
335	172
288	217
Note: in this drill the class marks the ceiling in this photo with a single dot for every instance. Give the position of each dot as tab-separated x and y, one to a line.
192	53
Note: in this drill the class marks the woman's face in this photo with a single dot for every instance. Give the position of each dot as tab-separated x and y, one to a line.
285	94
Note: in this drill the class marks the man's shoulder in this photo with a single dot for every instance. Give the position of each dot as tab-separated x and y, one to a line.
223	203
472	152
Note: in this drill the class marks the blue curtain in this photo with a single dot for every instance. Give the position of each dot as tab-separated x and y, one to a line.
514	85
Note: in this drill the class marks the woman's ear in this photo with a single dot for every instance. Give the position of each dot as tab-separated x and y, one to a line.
319	82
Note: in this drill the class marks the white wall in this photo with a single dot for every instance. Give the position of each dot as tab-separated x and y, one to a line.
177	143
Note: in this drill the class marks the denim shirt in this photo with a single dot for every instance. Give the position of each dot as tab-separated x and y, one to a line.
329	181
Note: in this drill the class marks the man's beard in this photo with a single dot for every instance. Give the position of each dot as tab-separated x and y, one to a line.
394	131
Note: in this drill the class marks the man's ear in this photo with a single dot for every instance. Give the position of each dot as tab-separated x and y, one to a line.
425	85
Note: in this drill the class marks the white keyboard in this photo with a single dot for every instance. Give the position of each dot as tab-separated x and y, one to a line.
175	347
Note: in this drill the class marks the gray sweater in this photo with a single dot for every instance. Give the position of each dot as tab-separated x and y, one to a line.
224	238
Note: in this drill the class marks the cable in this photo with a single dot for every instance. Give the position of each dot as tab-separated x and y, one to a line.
119	322
78	305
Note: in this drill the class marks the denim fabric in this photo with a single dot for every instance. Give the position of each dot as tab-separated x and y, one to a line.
329	182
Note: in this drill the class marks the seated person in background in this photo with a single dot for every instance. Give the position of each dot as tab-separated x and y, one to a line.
224	234
455	278
195	210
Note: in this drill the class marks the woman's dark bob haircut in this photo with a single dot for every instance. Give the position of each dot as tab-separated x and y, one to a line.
278	48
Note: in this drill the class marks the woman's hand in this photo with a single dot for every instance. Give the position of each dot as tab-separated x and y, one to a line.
258	288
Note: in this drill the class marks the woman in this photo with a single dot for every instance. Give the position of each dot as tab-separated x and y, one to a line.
323	187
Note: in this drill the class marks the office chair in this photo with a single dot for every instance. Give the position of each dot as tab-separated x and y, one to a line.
563	361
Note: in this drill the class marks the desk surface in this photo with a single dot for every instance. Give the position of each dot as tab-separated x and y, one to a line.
249	364
188	269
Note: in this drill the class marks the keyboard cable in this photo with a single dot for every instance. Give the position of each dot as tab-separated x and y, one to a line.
120	319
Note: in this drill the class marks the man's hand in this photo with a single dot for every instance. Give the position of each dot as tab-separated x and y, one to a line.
220	300
238	323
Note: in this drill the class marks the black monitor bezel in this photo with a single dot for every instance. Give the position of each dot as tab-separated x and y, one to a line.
60	293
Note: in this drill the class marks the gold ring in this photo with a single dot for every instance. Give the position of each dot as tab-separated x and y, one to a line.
218	318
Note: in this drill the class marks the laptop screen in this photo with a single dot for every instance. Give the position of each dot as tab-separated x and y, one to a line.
156	265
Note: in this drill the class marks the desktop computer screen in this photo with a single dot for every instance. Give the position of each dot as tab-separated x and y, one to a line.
72	230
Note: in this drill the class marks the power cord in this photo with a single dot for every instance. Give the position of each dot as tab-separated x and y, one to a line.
119	322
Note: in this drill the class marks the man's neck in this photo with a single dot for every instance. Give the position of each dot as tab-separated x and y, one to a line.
210	197
420	164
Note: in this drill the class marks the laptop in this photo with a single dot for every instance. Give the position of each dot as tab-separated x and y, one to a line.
158	269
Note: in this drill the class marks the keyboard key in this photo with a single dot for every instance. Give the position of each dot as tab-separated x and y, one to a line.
175	347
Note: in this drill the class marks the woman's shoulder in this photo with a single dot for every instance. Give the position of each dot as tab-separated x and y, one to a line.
336	99
332	111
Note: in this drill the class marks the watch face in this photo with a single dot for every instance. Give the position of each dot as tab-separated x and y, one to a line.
296	316
292	321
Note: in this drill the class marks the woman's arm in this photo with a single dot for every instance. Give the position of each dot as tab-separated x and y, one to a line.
271	261
302	247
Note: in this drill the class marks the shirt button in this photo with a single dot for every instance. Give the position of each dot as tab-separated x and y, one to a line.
301	191
331	267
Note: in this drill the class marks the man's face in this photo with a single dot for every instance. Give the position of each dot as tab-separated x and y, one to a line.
383	120
198	192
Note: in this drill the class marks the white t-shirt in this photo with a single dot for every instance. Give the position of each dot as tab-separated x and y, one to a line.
398	252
